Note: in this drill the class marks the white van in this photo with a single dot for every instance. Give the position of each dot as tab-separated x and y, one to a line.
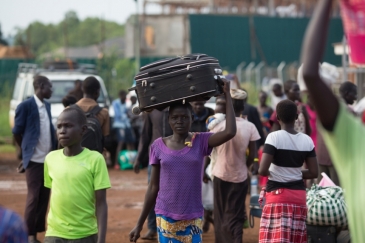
62	82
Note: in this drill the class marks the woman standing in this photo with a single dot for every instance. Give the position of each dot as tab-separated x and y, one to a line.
284	214
177	171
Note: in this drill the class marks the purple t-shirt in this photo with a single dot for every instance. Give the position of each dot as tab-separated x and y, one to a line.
181	172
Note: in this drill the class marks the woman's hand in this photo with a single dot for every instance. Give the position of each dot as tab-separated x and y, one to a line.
226	86
135	234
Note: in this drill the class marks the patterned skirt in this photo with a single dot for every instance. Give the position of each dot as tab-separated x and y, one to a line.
284	223
178	231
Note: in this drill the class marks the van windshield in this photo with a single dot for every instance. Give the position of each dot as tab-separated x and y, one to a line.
62	87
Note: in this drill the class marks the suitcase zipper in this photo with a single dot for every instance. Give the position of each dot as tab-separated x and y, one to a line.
179	65
171	59
182	65
174	71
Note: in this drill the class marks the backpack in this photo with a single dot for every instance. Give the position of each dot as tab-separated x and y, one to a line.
93	138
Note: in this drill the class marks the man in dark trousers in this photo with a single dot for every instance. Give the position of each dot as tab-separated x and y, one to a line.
34	133
155	125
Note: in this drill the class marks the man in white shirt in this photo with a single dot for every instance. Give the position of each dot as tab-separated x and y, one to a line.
34	133
277	95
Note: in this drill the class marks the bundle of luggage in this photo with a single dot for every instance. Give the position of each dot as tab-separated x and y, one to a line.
187	78
327	215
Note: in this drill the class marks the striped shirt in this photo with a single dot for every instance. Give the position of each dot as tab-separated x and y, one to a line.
289	152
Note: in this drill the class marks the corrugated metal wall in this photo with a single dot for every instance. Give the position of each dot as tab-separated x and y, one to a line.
8	71
229	38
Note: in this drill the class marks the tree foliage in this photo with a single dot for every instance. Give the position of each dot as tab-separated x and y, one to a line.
2	41
117	73
71	32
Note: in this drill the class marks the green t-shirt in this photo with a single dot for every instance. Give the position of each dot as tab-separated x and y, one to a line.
346	144
73	181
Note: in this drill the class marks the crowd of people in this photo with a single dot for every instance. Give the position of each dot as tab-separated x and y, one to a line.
289	143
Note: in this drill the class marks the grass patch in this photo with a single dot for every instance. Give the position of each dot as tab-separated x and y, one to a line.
5	130
253	93
7	148
5	96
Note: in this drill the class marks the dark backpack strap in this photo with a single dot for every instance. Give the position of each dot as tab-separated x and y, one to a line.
95	110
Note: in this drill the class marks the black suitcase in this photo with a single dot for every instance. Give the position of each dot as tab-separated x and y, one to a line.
321	234
187	78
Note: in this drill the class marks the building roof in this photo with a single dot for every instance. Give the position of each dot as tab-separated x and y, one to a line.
14	52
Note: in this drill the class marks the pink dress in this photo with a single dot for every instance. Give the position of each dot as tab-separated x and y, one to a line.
313	123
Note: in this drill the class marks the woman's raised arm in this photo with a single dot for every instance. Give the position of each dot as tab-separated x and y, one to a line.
230	131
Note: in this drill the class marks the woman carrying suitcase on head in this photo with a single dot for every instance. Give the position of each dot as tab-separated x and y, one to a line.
284	214
177	173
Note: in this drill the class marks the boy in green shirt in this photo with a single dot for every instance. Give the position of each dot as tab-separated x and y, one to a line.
343	133
78	178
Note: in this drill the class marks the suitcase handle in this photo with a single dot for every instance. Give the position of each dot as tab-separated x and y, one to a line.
219	82
132	88
194	56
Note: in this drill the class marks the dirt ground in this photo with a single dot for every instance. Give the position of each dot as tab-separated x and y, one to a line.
125	200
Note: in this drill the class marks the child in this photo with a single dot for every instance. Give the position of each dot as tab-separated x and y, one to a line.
78	179
285	211
176	178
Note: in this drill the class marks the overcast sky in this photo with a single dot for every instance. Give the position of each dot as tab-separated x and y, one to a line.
20	13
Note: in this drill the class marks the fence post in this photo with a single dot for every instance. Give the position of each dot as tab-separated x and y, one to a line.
239	71
258	74
248	71
280	71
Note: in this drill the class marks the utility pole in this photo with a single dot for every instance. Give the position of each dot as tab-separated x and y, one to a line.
137	45
65	37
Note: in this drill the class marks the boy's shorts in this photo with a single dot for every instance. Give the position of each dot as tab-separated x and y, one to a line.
126	135
89	239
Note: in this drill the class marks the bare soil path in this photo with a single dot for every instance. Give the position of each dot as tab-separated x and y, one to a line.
125	200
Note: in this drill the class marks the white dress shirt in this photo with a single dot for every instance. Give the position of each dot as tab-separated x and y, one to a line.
44	144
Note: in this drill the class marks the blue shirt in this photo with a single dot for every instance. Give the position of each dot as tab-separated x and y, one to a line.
121	119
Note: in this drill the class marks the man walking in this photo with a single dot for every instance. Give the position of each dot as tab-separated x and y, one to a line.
91	88
34	133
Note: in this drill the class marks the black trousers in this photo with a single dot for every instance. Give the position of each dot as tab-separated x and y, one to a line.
37	198
229	210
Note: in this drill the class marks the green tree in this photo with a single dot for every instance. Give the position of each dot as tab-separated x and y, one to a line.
2	41
70	32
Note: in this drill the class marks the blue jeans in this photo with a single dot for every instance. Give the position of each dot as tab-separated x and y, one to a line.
151	219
